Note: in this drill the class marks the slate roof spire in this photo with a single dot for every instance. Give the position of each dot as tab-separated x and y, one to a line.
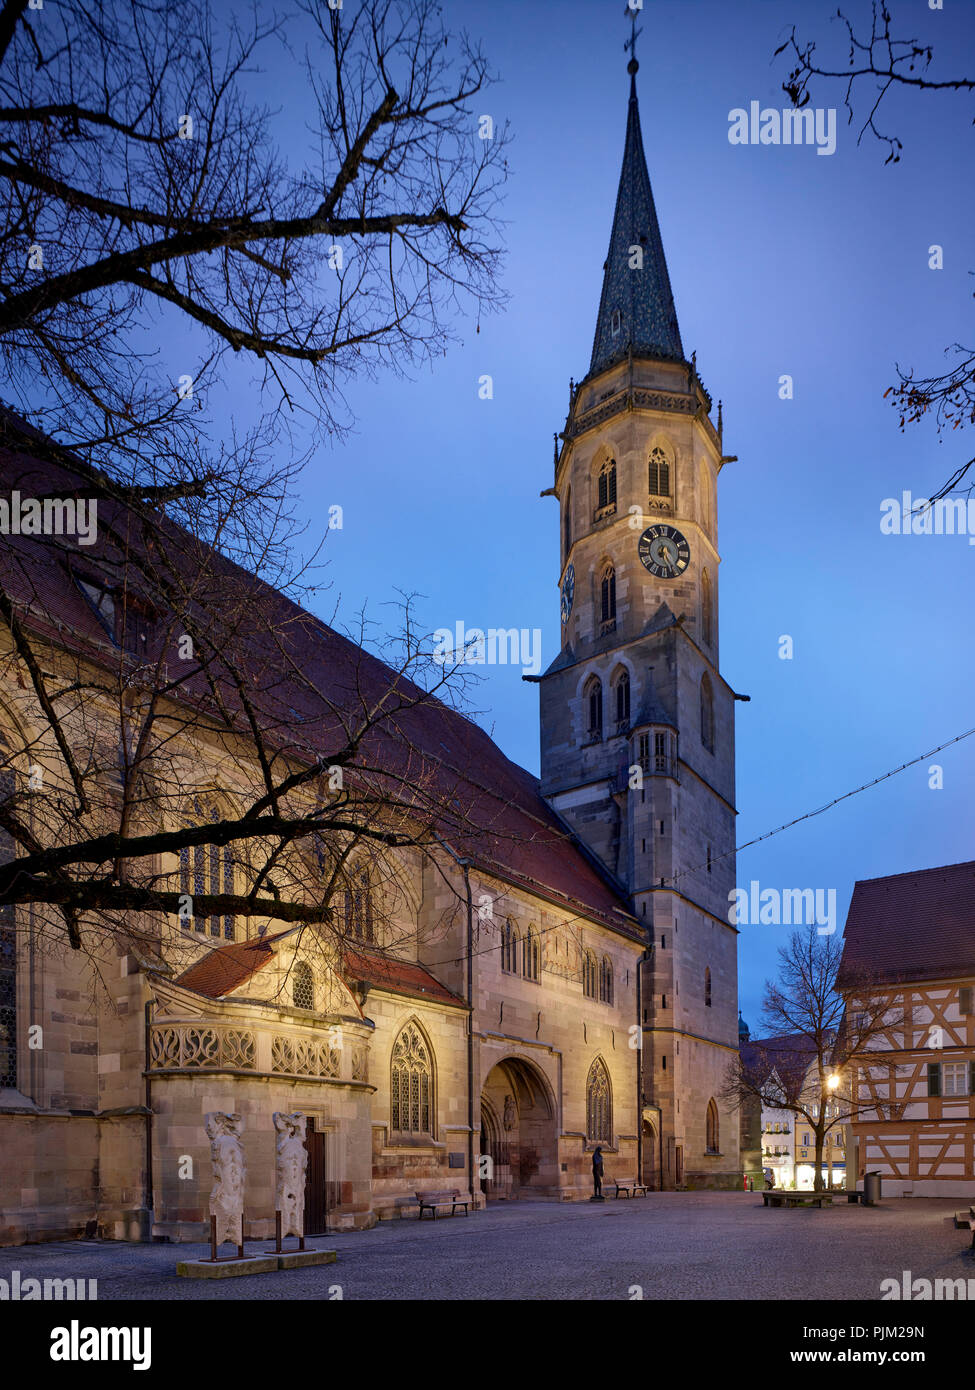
636	308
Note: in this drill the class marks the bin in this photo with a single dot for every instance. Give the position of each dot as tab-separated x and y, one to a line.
871	1188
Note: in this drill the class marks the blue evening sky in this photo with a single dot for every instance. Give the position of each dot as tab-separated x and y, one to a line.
781	261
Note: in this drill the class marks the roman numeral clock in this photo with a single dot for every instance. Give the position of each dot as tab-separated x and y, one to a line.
664	551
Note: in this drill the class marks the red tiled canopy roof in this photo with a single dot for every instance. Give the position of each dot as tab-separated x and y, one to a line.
912	926
221	971
397	976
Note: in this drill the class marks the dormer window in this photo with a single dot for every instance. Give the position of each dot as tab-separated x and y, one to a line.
616	323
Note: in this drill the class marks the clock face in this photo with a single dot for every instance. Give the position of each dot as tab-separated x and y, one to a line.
664	551
568	592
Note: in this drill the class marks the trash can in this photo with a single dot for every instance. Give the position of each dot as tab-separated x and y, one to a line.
871	1188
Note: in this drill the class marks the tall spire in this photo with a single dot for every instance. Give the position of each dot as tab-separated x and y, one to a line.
636	308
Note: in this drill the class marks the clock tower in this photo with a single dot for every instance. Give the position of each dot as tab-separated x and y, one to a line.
637	722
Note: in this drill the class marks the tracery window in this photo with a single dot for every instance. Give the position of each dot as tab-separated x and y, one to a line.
509	948
411	1088
606	485
599	1104
606	980
623	698
359	906
658	474
207	870
590	976
530	955
303	986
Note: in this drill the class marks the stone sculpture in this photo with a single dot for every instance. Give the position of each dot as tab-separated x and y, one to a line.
229	1172
291	1162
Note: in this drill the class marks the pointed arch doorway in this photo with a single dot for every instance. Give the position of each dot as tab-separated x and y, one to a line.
518	1133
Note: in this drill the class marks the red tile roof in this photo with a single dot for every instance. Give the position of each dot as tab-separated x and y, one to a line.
396	976
912	926
222	971
308	682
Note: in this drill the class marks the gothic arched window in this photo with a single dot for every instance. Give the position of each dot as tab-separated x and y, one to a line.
509	948
302	986
206	869
567	523
590	976
594	707
606	485
707	609
711	1128
607	596
411	1083
659	474
8	957
622	691
359	906
707	713
707	986
529	955
606	980
599	1105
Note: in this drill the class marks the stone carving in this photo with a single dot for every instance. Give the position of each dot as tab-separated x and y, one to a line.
229	1171
510	1114
298	1057
201	1046
291	1162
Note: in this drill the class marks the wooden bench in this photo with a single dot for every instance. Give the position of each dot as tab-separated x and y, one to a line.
778	1198
433	1201
856	1195
630	1189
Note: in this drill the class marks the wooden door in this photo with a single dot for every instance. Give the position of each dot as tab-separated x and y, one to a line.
316	1178
679	1164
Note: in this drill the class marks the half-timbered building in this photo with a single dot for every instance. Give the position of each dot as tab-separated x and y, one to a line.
913	1088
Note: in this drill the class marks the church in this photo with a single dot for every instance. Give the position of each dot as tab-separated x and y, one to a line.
561	976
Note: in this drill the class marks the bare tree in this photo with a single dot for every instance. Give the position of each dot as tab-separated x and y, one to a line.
877	64
805	1065
149	193
206	750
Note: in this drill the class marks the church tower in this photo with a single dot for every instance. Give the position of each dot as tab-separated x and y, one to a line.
637	723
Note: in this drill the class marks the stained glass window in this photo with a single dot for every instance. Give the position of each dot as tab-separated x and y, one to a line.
411	1088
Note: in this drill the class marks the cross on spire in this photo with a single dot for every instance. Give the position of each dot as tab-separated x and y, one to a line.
631	12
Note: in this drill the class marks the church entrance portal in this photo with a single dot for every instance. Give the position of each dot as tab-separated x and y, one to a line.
519	1155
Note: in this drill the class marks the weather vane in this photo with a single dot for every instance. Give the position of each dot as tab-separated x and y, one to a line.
633	8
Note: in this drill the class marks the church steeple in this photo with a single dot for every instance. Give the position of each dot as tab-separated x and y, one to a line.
636	308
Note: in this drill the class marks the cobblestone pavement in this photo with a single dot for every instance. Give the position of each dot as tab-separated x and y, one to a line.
706	1245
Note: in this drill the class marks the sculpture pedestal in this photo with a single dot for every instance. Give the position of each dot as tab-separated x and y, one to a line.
254	1264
